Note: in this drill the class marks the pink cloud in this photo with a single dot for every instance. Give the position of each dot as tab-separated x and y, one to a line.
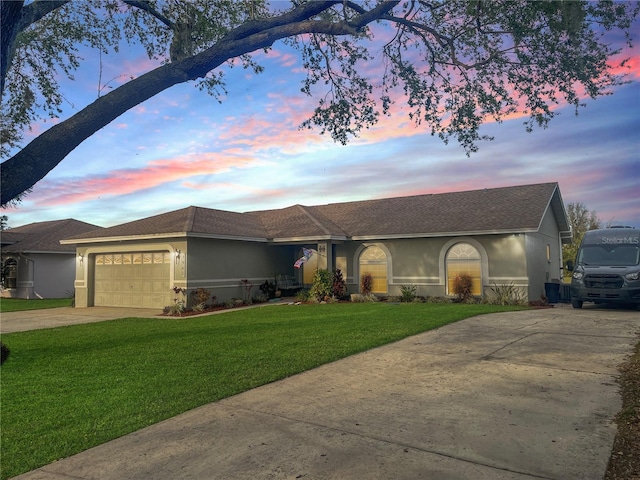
631	68
130	180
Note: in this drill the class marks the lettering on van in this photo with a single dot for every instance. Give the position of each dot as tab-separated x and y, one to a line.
621	240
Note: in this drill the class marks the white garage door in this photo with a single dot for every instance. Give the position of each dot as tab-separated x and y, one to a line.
137	279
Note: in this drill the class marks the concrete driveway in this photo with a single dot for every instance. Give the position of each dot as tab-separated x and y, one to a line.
59	317
519	395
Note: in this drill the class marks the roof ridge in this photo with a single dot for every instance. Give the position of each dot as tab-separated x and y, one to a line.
314	219
191	218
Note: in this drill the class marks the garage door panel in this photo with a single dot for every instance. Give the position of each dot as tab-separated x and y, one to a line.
137	279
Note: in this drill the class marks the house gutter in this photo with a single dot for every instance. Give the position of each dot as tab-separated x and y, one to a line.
133	238
395	236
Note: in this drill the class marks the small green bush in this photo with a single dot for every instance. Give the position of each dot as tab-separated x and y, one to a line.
199	307
322	287
408	293
268	289
507	294
303	295
362	298
260	298
174	310
4	353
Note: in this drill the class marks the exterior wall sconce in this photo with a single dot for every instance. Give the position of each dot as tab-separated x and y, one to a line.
178	253
81	258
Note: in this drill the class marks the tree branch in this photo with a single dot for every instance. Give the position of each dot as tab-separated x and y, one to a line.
15	18
45	152
146	6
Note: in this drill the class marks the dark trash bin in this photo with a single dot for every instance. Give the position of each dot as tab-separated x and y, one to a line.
552	292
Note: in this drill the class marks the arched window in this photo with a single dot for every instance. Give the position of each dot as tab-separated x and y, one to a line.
373	260
463	258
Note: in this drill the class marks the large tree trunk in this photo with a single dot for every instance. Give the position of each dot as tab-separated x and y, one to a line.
10	13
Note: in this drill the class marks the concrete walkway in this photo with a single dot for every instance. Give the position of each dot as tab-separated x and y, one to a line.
519	395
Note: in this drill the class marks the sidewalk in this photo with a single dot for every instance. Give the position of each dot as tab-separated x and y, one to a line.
518	395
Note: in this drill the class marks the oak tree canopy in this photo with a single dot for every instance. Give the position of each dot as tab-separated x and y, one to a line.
453	63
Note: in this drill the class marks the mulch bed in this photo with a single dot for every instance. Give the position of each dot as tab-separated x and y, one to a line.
624	463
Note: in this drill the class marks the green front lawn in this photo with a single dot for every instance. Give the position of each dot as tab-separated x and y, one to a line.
67	389
18	304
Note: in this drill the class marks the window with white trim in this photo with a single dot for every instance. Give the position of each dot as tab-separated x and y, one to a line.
373	260
464	258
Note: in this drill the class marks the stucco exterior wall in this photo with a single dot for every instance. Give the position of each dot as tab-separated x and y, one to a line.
53	275
43	275
421	262
221	265
544	265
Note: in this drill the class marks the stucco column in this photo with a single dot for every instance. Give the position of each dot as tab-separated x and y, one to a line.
325	256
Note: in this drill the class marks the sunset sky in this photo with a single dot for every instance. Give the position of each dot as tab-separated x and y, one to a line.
184	148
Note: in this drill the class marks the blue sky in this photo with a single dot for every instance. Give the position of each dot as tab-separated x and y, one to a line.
184	148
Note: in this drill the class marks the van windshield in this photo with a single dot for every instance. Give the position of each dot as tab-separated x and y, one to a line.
609	255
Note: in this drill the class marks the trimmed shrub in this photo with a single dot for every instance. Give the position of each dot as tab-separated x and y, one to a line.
462	287
303	295
339	285
4	353
408	293
366	283
362	298
322	287
200	296
507	294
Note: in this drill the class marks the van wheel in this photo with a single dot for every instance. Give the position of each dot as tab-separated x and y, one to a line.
576	303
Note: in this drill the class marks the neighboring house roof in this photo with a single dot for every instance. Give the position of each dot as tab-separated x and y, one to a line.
495	210
42	237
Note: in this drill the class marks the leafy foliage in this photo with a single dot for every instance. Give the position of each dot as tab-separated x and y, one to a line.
4	353
201	296
339	289
454	64
462	287
507	294
408	293
268	289
366	284
322	288
581	220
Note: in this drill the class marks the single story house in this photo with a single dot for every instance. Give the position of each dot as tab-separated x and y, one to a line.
34	262
499	236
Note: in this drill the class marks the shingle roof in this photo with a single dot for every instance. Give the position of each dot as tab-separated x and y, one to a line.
194	220
507	209
44	236
478	211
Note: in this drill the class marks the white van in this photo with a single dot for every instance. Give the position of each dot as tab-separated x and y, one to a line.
607	267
